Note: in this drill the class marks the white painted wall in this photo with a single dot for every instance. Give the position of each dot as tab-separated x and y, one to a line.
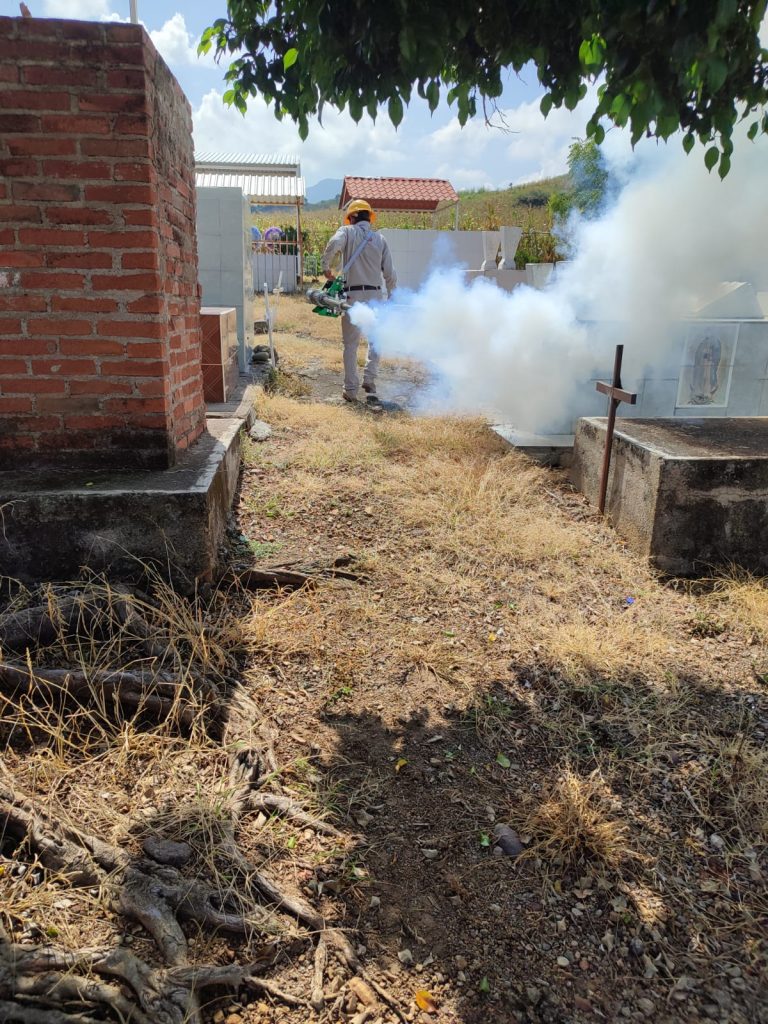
224	255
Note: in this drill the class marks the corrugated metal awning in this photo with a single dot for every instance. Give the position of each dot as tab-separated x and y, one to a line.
249	163
263	189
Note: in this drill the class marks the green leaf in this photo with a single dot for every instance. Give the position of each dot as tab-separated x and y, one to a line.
503	760
229	97
395	108
711	157
753	130
725	165
484	986
290	57
433	94
688	142
717	72
485	840
546	104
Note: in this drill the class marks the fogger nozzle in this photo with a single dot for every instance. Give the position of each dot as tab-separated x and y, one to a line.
319	297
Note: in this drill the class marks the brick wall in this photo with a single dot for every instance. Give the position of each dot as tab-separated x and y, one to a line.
99	308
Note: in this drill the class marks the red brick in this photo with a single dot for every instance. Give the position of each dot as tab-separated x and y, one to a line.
31	346
8	73
15	442
140	218
19	166
21	145
78	215
28	214
82	304
122	239
134	172
37	424
51	236
122	103
91	347
23	303
27	99
47	75
140	261
65	368
99	386
154	387
146	304
132	124
133	404
95	422
15	367
126	282
121	194
151	422
133	368
87	260
149	329
35	386
125	33
53	279
82	30
57	327
143	348
22	259
75	124
24	123
85	169
45	192
8	326
16	404
113	147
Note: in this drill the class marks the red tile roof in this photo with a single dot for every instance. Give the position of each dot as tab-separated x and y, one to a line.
399	193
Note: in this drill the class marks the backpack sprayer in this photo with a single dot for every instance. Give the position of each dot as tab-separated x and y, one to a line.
329	300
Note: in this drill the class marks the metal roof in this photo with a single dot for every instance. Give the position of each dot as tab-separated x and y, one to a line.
263	189
417	194
249	163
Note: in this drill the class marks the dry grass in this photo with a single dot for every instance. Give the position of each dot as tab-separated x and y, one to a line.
576	825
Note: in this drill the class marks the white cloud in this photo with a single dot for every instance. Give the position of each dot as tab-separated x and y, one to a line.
79	10
336	148
177	45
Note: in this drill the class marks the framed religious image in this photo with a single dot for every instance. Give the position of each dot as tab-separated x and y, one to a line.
705	375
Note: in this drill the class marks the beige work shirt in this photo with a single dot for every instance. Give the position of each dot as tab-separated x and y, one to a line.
373	263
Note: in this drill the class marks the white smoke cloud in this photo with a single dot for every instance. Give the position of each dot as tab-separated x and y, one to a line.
527	357
177	45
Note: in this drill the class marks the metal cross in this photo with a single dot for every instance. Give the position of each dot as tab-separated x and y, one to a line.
616	394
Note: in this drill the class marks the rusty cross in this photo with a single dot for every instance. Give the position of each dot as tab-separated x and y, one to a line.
616	394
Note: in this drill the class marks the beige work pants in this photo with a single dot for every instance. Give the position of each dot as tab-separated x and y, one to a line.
351	336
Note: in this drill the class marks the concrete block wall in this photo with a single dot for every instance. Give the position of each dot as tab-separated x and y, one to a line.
99	306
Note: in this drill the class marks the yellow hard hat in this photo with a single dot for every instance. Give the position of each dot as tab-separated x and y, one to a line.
356	206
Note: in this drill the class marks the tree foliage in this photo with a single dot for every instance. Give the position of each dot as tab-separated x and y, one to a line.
660	65
588	181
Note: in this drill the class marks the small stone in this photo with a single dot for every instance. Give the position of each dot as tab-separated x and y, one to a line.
711	1011
716	842
164	851
562	924
582	1004
647	1006
363	992
507	840
260	431
431	854
636	947
738	985
608	941
495	908
375	903
405	956
563	961
533	994
218	1017
584	964
462	963
233	1018
461	976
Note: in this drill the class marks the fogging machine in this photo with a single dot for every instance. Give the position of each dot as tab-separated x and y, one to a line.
329	300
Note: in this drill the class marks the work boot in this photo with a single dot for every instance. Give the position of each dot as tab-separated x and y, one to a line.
370	389
348	397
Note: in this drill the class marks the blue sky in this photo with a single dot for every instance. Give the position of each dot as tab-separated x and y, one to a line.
424	145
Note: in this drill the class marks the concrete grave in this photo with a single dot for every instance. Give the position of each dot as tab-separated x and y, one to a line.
688	494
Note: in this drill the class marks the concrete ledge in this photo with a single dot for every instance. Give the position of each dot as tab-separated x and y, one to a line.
548	449
689	494
50	526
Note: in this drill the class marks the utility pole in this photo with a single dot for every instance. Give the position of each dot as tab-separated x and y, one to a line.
135	11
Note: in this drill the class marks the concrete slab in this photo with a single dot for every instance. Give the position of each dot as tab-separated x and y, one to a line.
549	449
52	525
689	494
239	405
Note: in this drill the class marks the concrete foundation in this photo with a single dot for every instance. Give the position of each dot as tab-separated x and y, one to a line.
689	494
174	518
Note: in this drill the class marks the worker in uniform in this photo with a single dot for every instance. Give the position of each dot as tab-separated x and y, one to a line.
365	260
